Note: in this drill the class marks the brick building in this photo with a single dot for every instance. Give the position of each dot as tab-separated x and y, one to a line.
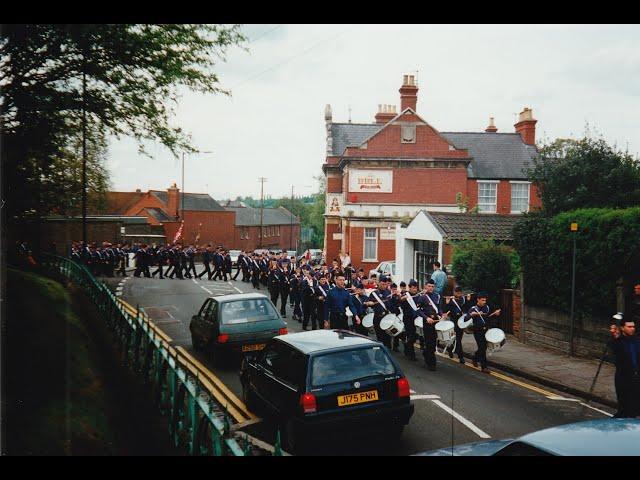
280	228
383	173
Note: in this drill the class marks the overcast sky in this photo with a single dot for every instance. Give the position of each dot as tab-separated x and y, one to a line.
273	125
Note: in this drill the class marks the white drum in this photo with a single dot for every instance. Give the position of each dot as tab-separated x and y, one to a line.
367	322
495	339
465	323
347	310
392	325
418	322
445	331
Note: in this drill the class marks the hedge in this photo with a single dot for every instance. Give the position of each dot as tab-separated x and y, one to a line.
606	242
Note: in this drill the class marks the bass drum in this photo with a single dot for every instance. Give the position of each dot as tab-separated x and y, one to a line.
392	325
367	322
445	331
495	339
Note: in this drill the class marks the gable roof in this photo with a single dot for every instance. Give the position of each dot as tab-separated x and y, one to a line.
249	216
117	203
493	155
200	202
159	215
459	226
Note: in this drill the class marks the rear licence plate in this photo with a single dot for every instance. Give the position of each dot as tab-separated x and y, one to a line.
360	397
251	348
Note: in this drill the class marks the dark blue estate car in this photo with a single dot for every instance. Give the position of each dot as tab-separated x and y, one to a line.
326	382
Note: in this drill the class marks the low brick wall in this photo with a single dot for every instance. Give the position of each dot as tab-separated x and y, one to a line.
550	329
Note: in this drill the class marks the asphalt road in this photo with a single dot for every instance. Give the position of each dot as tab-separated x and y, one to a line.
484	406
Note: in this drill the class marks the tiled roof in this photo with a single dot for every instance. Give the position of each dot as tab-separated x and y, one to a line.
494	155
200	202
458	226
117	203
248	216
159	215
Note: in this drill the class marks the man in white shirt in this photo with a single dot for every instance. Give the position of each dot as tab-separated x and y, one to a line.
346	260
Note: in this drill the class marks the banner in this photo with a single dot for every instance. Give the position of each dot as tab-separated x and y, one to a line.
178	233
373	181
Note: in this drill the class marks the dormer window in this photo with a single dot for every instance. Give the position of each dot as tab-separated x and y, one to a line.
408	133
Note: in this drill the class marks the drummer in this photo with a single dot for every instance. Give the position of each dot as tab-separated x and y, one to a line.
481	318
359	299
408	318
382	303
397	311
338	299
455	306
433	311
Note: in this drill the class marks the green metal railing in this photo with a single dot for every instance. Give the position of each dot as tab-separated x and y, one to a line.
197	424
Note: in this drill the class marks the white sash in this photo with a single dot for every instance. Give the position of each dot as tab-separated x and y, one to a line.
477	310
379	301
411	302
454	301
322	290
432	304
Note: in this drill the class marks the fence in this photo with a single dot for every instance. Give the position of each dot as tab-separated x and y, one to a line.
200	413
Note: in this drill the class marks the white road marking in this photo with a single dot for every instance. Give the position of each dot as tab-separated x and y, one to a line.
565	399
412	391
206	290
462	420
238	290
596	409
425	397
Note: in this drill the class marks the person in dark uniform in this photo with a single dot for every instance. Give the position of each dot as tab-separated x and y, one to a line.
218	265
141	260
625	345
309	303
481	323
255	272
161	261
176	263
635	304
264	270
395	341
285	288
206	261
296	285
408	318
227	265
381	295
121	262
322	291
246	268
359	299
239	266
337	301
455	306
273	284
191	261
433	311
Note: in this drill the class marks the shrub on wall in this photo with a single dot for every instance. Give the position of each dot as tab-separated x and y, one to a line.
606	241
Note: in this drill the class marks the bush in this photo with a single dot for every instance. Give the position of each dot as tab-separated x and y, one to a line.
606	243
482	264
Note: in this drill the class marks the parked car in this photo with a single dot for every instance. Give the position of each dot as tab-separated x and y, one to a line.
234	256
315	255
326	382
235	323
385	268
603	437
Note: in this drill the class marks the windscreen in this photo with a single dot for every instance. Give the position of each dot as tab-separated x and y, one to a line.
246	311
350	365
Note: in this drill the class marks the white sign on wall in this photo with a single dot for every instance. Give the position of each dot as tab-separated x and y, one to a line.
387	233
337	236
374	181
334	204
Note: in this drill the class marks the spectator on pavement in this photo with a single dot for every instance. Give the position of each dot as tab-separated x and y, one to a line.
626	348
439	277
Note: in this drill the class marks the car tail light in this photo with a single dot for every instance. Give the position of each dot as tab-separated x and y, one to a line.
223	338
282	331
308	402
403	388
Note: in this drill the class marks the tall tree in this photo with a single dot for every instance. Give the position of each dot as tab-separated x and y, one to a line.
132	73
585	173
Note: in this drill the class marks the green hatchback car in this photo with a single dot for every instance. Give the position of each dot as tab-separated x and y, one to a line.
241	323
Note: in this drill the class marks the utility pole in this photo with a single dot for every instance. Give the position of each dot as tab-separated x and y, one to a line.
291	226
261	180
84	143
182	193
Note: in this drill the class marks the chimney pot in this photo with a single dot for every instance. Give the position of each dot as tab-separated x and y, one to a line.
526	126
408	94
491	128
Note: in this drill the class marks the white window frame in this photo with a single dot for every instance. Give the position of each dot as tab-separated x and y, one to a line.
496	182
364	244
517	212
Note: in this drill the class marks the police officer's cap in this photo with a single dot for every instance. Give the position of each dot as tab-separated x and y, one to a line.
384	278
402	284
413	283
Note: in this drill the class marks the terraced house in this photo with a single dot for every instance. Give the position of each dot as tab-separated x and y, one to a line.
380	175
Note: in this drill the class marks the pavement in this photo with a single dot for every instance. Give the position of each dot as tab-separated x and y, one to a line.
551	368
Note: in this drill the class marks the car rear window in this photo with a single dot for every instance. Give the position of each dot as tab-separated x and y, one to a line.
247	311
350	365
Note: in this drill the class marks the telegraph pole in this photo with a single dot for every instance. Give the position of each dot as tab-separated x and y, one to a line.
182	193
574	230
84	144
291	226
261	180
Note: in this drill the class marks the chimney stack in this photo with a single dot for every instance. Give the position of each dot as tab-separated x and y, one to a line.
173	198
408	93
385	113
526	126
328	118
491	128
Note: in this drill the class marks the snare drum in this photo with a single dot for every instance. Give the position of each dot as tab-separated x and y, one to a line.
445	331
392	325
418	322
367	322
495	339
465	324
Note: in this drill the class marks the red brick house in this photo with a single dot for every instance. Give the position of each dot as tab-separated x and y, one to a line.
383	173
280	229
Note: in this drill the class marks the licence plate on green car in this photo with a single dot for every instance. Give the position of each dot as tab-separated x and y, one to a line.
251	348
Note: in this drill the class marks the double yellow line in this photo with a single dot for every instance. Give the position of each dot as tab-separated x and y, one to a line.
212	384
